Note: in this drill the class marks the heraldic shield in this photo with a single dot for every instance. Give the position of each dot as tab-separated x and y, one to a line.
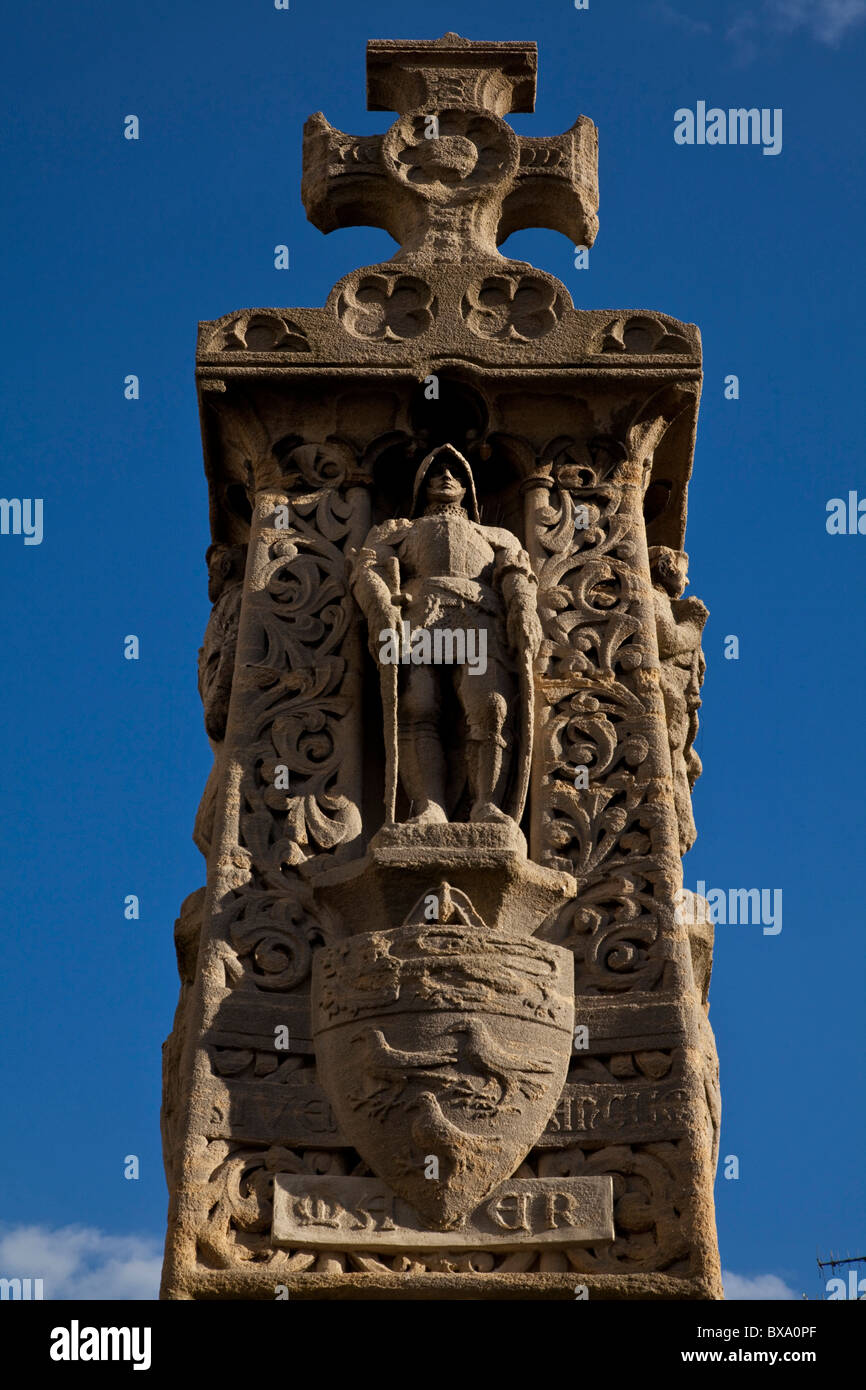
443	1048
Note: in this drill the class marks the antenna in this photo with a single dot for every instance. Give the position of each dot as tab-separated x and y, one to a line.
835	1263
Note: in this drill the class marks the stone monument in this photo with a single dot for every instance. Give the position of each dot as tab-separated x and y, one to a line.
443	1027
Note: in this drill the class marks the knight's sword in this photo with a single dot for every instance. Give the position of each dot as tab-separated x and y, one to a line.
388	673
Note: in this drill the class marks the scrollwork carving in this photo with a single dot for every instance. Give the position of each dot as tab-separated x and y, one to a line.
603	814
240	1182
297	699
650	1233
274	934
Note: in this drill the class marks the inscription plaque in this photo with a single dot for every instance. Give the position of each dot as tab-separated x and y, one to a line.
365	1214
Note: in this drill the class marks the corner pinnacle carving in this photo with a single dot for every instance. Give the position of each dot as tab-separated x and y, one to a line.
441	1013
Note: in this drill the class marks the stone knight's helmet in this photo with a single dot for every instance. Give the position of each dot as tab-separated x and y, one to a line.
458	465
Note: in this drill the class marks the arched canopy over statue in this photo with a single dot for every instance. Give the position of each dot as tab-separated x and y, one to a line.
451	603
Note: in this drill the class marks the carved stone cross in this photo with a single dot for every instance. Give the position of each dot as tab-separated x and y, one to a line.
450	180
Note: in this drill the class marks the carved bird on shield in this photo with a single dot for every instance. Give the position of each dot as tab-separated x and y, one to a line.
477	1052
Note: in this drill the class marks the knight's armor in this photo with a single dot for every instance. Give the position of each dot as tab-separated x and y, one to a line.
440	568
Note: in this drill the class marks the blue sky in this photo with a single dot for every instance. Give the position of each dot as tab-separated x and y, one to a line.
115	249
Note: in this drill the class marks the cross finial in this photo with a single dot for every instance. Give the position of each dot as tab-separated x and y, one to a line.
450	180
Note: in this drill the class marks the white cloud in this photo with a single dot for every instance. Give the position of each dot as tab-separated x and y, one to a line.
682	21
753	28
743	35
81	1261
756	1287
826	20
